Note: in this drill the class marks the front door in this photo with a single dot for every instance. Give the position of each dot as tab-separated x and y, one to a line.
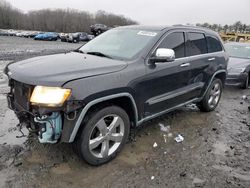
167	83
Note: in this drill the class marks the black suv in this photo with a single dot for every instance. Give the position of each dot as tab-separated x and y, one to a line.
98	29
124	77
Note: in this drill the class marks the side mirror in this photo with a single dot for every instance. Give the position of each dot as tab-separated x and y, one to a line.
163	55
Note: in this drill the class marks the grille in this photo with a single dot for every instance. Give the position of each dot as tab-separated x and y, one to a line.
21	93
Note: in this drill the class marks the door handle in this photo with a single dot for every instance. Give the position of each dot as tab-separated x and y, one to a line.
185	65
211	59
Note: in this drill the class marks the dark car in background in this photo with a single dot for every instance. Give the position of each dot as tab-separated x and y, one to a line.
93	96
239	64
50	36
77	37
85	37
98	29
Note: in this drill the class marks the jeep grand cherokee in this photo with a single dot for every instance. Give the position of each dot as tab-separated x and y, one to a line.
93	96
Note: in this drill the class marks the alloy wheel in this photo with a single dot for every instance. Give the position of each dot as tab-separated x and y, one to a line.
214	95
106	136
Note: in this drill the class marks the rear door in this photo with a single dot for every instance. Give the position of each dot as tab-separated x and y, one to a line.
199	59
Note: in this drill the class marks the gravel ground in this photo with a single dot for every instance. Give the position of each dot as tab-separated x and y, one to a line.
215	151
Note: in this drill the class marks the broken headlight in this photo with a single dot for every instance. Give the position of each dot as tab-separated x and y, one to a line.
49	96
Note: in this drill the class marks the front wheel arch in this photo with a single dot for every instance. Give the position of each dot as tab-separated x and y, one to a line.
123	100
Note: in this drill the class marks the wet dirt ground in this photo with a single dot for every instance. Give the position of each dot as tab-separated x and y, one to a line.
215	151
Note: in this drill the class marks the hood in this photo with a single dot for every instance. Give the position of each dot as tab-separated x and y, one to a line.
237	62
55	70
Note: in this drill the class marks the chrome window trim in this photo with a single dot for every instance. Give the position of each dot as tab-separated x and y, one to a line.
184	32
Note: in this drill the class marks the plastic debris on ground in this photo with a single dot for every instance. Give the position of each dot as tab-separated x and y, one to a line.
165	138
179	138
244	97
191	106
152	177
155	145
164	128
170	134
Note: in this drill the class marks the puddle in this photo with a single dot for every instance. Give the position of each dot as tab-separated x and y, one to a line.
8	130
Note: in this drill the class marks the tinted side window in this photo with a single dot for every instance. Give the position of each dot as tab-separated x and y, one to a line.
213	44
196	44
176	42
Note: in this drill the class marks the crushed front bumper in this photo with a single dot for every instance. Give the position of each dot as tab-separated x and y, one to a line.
51	124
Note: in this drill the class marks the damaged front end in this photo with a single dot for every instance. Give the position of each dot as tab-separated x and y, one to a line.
49	121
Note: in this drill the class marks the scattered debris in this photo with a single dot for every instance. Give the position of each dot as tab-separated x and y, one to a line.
179	138
152	177
164	128
183	174
165	152
165	138
155	145
170	135
191	106
244	97
17	163
214	129
198	182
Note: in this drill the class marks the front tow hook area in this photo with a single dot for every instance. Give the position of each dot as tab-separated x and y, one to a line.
50	128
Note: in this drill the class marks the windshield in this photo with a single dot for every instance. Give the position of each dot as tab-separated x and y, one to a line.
236	50
123	44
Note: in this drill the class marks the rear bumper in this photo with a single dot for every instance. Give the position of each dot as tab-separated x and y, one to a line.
236	79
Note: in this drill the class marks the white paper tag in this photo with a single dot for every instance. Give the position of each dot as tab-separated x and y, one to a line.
147	33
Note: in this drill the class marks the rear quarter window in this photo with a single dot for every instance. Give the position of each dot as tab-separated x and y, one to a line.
196	44
213	44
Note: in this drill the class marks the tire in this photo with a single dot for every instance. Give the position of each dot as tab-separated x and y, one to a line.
212	97
99	32
246	83
96	129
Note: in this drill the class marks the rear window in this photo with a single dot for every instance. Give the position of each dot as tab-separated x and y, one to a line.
213	44
196	44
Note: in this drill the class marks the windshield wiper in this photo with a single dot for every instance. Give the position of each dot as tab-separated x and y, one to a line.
79	51
99	54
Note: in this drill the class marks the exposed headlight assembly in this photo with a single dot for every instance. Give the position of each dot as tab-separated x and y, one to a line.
49	96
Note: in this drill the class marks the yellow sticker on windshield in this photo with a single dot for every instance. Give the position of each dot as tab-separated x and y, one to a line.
147	33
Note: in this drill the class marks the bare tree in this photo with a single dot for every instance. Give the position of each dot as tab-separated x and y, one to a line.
58	20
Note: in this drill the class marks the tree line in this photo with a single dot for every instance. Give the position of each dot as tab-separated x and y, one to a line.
56	20
237	27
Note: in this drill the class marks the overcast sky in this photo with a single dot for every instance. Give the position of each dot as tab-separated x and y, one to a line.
155	12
